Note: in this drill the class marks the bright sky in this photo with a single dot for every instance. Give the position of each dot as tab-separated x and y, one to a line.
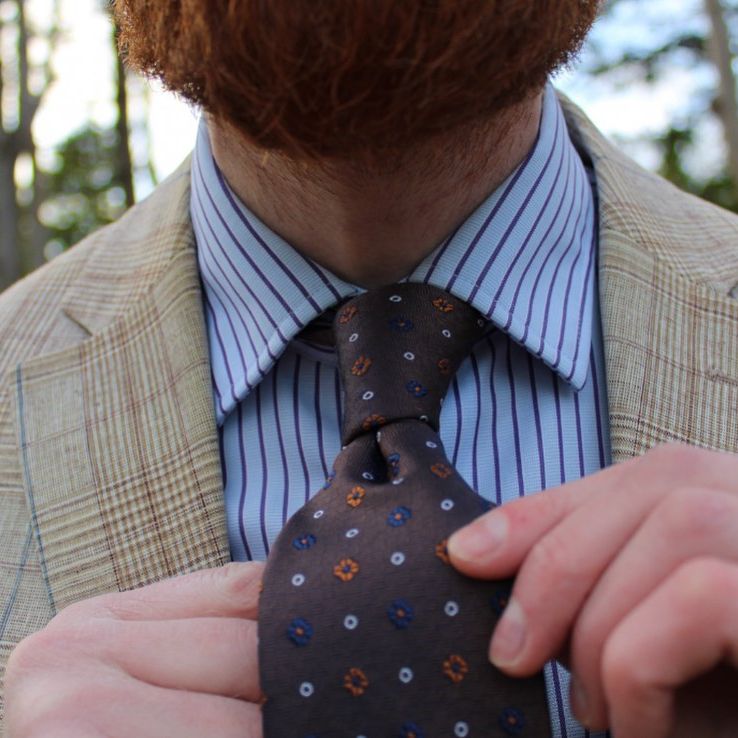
83	89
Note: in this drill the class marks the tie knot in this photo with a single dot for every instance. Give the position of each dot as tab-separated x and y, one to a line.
398	348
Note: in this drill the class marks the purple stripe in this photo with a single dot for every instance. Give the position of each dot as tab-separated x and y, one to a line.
514	414
278	262
559	699
244	479
515	220
274	378
219	339
493	397
537	418
557	404
598	409
439	254
264	473
296	416
319	420
580	445
459	419
477	384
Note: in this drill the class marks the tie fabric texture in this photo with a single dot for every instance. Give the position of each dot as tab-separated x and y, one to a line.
365	629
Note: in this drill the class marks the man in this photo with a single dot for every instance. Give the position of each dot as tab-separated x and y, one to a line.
347	146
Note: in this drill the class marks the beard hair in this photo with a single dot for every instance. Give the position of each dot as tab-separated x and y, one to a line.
359	80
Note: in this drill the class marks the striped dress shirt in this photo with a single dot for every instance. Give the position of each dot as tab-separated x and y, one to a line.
526	411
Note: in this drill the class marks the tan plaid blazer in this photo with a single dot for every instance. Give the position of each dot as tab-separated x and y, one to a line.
109	464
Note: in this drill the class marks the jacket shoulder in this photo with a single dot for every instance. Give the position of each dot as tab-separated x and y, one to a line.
86	287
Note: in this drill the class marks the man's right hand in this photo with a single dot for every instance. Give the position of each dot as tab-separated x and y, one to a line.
174	658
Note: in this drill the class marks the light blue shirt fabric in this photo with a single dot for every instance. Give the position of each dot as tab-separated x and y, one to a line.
526	411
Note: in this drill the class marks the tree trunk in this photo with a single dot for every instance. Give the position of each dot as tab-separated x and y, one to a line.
10	267
728	102
125	166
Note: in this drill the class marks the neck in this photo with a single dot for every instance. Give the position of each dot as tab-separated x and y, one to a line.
373	225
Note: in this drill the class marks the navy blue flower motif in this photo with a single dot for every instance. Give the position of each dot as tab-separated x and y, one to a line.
401	613
300	632
500	598
394	464
400	324
416	389
411	730
399	516
303	542
512	721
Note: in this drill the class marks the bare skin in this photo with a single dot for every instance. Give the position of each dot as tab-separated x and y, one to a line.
372	227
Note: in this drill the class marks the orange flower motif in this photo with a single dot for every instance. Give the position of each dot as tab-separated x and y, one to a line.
455	668
346	570
444	366
361	366
441	470
356	496
347	313
372	422
442	551
443	305
355	681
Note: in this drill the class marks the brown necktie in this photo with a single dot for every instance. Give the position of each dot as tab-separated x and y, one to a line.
365	630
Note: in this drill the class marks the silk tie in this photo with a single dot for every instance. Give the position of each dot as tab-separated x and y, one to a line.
365	630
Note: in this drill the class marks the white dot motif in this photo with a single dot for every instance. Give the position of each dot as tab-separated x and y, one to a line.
424	418
350	622
367	395
352	533
447	504
353	337
397	481
409	355
461	729
446	333
451	608
431	444
306	689
395	298
368	475
298	580
318	514
397	558
406	675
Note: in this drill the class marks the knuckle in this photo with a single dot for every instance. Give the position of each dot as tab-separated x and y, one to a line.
551	560
694	513
680	460
241	580
701	578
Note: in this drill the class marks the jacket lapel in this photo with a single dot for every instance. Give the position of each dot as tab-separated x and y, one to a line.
117	434
670	327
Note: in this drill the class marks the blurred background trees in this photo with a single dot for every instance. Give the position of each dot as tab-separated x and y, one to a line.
658	76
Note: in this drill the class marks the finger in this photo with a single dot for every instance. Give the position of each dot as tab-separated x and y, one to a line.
559	572
120	706
230	591
211	655
495	544
687	524
686	627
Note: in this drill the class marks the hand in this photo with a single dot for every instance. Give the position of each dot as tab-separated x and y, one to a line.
175	658
632	575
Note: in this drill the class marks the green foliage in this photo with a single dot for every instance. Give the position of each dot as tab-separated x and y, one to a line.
86	184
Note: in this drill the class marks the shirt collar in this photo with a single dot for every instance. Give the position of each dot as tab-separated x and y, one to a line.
524	259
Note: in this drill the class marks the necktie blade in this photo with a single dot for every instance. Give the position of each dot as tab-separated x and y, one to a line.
365	628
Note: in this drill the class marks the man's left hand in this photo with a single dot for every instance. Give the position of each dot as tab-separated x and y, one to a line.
631	576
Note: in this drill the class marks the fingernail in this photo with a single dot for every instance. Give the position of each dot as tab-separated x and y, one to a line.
579	700
509	636
478	539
